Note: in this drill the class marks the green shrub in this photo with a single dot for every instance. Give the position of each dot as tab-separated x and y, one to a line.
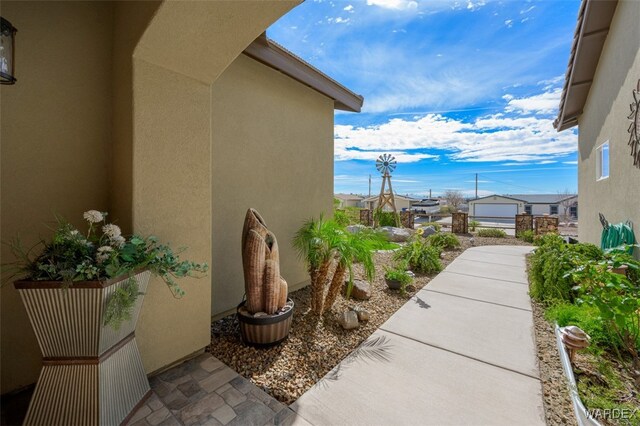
341	217
527	236
492	233
585	317
551	263
397	274
386	218
435	225
473	224
420	256
444	241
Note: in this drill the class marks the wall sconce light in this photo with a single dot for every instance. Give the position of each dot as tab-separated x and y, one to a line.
7	52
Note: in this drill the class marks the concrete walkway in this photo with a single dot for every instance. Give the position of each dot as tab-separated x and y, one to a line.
460	352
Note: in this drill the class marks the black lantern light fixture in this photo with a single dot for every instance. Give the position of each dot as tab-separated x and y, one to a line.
7	52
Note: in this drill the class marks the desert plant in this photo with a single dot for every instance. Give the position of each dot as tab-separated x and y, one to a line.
101	254
383	218
473	224
420	256
550	264
527	236
399	275
313	242
435	225
492	233
350	248
444	241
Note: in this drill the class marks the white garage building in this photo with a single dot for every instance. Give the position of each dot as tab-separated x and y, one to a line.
535	204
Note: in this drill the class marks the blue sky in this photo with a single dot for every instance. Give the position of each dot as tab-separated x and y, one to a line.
452	88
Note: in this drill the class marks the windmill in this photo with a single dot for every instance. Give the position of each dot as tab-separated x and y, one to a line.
386	164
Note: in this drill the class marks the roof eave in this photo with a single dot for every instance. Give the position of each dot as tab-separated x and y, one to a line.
590	33
274	56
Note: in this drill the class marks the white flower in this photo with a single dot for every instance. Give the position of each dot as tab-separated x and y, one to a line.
118	241
74	232
104	249
93	216
112	231
103	253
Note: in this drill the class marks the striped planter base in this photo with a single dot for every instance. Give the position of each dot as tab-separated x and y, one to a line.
92	374
265	331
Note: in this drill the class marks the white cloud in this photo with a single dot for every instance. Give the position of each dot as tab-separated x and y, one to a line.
509	23
394	4
349	8
544	103
340	20
522	12
474	6
570	162
519	139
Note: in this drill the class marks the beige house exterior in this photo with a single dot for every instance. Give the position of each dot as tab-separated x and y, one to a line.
402	202
534	204
349	200
604	68
496	206
151	111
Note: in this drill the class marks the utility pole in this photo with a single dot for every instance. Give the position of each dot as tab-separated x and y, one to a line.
429	193
369	185
476	186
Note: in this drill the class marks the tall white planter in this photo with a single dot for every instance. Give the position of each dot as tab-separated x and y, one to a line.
92	374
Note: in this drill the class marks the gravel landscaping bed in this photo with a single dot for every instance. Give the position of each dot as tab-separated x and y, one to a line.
555	392
315	345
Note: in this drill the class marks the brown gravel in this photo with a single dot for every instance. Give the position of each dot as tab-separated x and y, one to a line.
315	346
557	403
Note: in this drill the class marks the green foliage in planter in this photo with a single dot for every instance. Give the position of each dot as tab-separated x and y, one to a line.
550	265
386	218
527	236
492	233
444	241
400	275
617	299
101	254
587	318
420	256
473	224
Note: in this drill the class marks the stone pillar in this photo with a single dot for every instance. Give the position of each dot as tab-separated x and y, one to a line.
407	219
546	224
366	217
459	223
524	222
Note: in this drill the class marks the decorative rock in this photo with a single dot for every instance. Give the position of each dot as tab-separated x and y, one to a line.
363	315
354	229
410	288
428	230
361	290
395	235
348	320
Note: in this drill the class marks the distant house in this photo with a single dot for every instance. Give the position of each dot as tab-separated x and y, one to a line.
349	200
402	202
603	71
535	204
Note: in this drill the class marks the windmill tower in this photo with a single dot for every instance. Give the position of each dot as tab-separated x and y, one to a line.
386	164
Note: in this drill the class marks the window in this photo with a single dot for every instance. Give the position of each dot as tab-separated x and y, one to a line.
602	158
573	211
527	208
553	209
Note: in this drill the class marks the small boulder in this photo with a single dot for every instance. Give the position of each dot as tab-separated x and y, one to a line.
354	229
348	320
361	290
363	315
395	235
410	288
428	230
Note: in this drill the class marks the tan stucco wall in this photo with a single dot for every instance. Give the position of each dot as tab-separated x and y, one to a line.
55	132
605	118
273	151
75	95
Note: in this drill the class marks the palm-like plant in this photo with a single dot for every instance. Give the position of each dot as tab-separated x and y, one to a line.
314	242
351	248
